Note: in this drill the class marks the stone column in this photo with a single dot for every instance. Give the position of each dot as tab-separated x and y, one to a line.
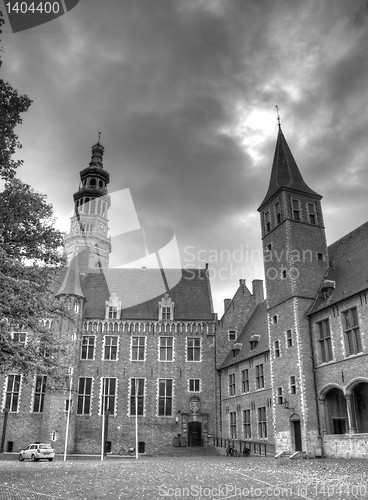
351	414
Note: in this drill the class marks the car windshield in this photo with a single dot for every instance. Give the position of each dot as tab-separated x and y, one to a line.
43	446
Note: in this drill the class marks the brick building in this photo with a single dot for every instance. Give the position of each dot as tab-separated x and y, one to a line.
297	373
288	371
142	340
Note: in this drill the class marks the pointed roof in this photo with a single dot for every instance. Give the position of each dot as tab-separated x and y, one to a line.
256	327
285	172
71	284
348	268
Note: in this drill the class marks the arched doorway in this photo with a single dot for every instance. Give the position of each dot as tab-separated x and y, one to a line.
360	404
194	434
336	412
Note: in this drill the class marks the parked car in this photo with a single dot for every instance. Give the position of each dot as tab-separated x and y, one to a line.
37	451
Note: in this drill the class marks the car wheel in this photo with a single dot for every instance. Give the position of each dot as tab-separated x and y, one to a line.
33	458
20	457
50	459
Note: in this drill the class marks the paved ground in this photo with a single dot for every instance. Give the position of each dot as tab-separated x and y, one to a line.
203	478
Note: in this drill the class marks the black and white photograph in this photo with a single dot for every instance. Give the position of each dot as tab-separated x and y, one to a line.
183	249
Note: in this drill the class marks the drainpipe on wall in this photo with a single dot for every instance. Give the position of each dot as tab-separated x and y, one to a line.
315	386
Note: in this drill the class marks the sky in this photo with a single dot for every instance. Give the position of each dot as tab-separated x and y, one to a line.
184	92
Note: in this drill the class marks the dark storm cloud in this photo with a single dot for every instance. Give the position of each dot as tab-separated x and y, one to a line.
184	92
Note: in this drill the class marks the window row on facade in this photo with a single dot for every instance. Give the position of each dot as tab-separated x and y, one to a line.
351	331
275	216
107	398
245	381
138	348
249	430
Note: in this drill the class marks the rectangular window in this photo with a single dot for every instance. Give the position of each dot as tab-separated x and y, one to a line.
87	347
296	209
280	396
324	340
113	312
194	385
245	380
292	385
84	396
246	424
111	347
108	395
233	425
39	394
278	213
277	348
165	397
19	338
353	340
312	213
232	335
259	377
193	349
166	313
166	348
137	396
262	423
12	392
138	348
267	222
289	338
232	388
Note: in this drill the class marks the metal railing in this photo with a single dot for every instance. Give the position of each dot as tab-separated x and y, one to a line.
255	447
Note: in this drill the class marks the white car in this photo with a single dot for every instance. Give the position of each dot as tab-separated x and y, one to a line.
36	451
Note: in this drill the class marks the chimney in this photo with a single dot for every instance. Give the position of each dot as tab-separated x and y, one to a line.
226	303
242	282
258	291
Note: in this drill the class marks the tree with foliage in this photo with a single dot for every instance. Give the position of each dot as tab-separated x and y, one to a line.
30	258
12	104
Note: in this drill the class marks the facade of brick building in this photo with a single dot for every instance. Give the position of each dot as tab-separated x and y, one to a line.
142	340
310	334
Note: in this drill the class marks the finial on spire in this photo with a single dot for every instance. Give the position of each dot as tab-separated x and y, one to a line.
99	136
278	116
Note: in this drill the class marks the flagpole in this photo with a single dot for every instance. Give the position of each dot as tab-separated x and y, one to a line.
68	415
136	421
103	421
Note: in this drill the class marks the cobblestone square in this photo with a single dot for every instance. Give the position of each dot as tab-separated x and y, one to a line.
203	477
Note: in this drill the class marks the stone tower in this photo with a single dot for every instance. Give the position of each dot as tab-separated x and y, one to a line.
295	260
88	235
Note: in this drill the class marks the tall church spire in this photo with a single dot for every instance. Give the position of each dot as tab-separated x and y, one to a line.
285	172
88	235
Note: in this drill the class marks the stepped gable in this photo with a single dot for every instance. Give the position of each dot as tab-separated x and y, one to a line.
348	267
257	325
140	290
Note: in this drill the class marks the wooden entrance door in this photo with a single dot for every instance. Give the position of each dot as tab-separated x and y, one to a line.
194	434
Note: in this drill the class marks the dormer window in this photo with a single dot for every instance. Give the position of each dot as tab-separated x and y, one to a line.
166	308
236	348
254	339
113	307
327	288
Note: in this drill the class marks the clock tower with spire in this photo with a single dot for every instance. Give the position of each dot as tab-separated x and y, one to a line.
88	237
